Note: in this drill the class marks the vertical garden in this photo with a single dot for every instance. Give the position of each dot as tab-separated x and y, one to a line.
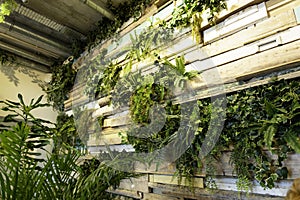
258	126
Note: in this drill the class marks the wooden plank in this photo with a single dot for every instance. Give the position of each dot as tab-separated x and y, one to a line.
151	196
273	4
95	150
115	130
206	194
236	22
250	66
233	6
144	195
263	29
102	110
293	165
271	25
171	180
270	42
117	121
230	87
261	62
135	184
229	184
104	100
283	7
102	140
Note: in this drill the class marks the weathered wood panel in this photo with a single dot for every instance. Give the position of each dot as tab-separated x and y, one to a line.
282	6
205	194
103	140
135	184
236	22
117	121
171	180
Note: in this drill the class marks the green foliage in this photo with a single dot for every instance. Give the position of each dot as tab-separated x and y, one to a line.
62	81
26	175
257	118
103	81
189	14
66	134
6	7
143	45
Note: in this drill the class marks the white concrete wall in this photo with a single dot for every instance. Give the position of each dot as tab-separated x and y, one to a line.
9	90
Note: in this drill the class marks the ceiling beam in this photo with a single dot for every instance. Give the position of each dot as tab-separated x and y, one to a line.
99	7
26	54
20	31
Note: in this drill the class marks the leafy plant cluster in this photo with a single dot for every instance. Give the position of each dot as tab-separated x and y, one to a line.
66	134
140	48
261	129
257	119
27	174
144	95
62	81
102	73
6	7
189	14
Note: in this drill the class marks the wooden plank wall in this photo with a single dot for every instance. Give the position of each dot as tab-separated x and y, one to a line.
252	38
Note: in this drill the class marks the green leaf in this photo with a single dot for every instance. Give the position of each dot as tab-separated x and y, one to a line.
270	108
269	135
293	140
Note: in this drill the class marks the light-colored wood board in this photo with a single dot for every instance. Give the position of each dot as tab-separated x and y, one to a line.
117	121
102	140
267	43
104	100
234	7
115	130
135	184
126	193
251	66
236	22
273	4
171	180
102	110
201	194
204	92
283	7
271	25
261	62
280	188
263	29
151	196
95	150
